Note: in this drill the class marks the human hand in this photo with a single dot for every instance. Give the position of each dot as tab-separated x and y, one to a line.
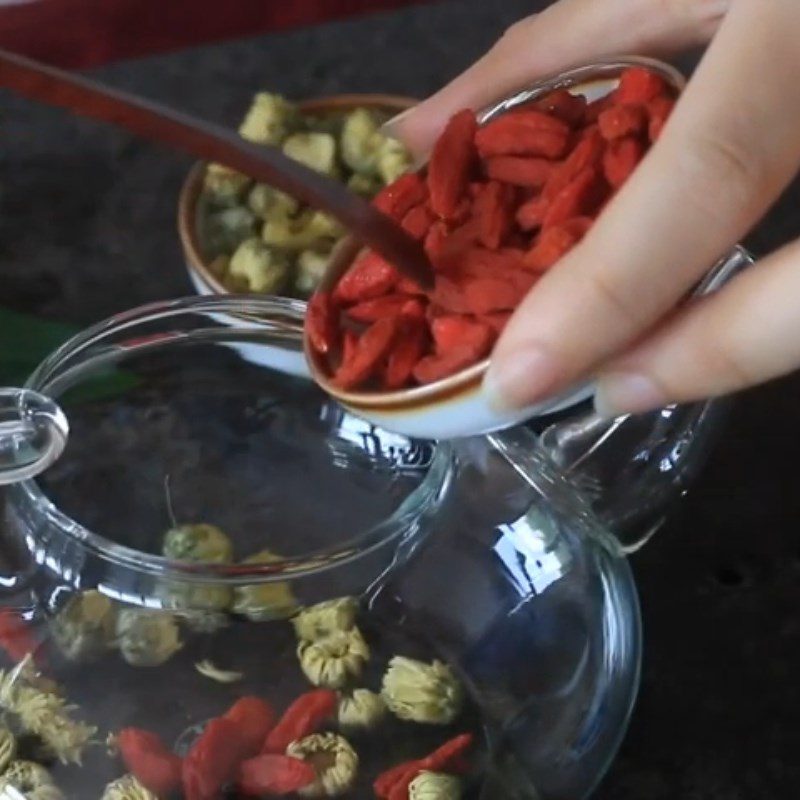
729	149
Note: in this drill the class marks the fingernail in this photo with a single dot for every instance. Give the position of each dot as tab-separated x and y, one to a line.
619	393
391	127
520	378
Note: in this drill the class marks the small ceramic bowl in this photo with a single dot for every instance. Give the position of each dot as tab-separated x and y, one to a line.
190	219
457	406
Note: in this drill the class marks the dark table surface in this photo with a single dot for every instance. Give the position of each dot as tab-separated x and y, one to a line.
87	229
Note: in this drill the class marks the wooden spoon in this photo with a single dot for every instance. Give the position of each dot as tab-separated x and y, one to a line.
211	142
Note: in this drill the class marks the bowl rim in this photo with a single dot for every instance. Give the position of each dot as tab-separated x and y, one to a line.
62	363
191	187
468	381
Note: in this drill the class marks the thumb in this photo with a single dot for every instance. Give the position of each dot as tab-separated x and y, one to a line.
566	34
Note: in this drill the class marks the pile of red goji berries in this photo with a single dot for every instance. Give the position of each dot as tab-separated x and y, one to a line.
246	747
497	207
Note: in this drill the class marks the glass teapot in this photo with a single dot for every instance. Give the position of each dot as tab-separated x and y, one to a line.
211	527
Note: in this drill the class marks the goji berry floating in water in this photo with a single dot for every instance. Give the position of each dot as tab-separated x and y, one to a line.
498	206
149	760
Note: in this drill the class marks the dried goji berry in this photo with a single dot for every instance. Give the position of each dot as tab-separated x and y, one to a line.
508	137
484	295
441	759
478	262
659	110
254	718
437	367
579	197
451	163
372	349
597	107
400	196
578	226
619	121
552	245
349	344
588	152
461	212
393	783
406	285
519	171
455	244
448	294
322	324
534	119
413	308
146	757
418	221
638	85
392	777
213	760
406	352
450	332
494	212
270	774
530	215
565	106
621	159
369	276
373	310
434	241
302	718
16	636
399	790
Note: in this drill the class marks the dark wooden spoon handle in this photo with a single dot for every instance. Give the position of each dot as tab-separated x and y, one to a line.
211	142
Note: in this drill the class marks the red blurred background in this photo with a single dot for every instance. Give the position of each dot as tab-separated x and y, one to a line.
86	33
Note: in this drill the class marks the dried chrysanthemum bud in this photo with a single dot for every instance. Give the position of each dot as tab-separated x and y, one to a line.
434	786
26	777
360	709
84	629
147	638
420	692
269	119
322	619
224	186
335	762
360	141
310	268
202	544
365	185
267	202
316	150
393	160
127	788
8	748
309	230
262	602
225	230
335	660
260	267
49	717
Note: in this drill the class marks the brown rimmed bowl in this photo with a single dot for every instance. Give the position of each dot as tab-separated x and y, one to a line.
190	222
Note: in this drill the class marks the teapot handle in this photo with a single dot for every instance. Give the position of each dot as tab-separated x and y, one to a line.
33	434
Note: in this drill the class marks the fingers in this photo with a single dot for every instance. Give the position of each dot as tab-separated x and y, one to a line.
744	335
567	33
730	147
